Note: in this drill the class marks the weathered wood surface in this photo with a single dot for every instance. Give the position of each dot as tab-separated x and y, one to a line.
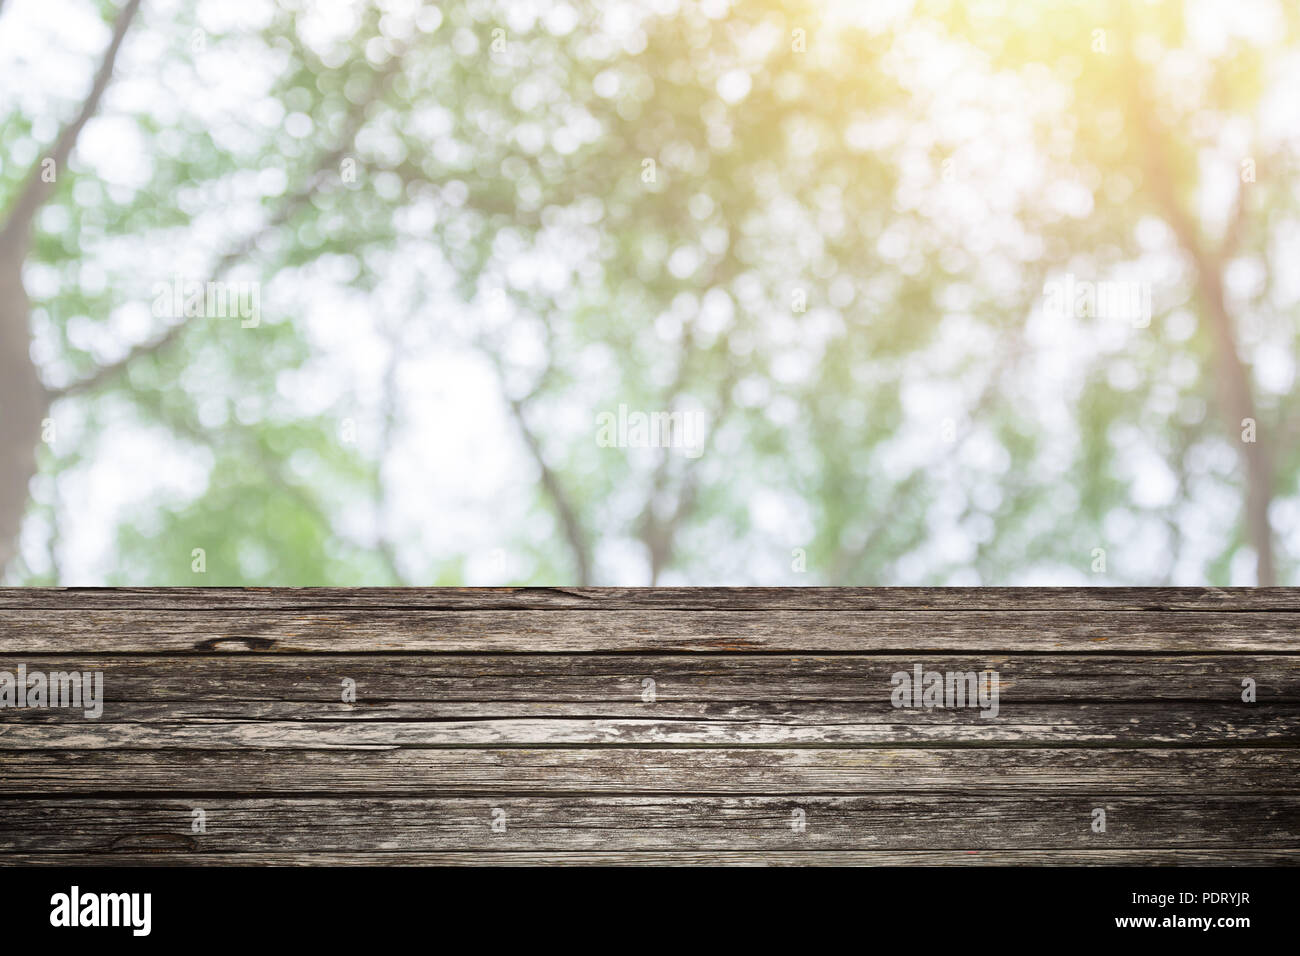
368	631
738	677
769	737
662	823
180	725
1075	857
654	770
290	701
730	599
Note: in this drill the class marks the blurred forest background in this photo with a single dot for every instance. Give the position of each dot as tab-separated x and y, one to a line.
858	240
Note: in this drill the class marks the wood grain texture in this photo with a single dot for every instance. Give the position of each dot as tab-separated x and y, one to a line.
737	677
917	821
292	701
370	631
304	726
888	858
596	598
769	708
512	770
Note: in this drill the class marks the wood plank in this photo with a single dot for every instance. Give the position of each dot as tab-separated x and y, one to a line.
719	700
664	598
766	701
677	823
856	858
760	678
1102	771
558	631
274	725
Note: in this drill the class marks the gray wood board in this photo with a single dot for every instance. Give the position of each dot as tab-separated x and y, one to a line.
769	737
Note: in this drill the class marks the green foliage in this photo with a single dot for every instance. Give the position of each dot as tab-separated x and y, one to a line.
912	424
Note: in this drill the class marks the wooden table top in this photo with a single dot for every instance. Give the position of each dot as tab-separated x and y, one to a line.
666	725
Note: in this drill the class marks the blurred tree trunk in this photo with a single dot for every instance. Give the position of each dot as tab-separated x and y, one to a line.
1231	374
23	398
22	401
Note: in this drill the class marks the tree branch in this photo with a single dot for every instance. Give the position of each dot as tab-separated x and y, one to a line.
1235	226
292	203
384	544
161	343
659	534
37	189
1232	378
564	509
567	514
846	561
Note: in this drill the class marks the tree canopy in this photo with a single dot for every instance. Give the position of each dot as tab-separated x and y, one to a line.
305	293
